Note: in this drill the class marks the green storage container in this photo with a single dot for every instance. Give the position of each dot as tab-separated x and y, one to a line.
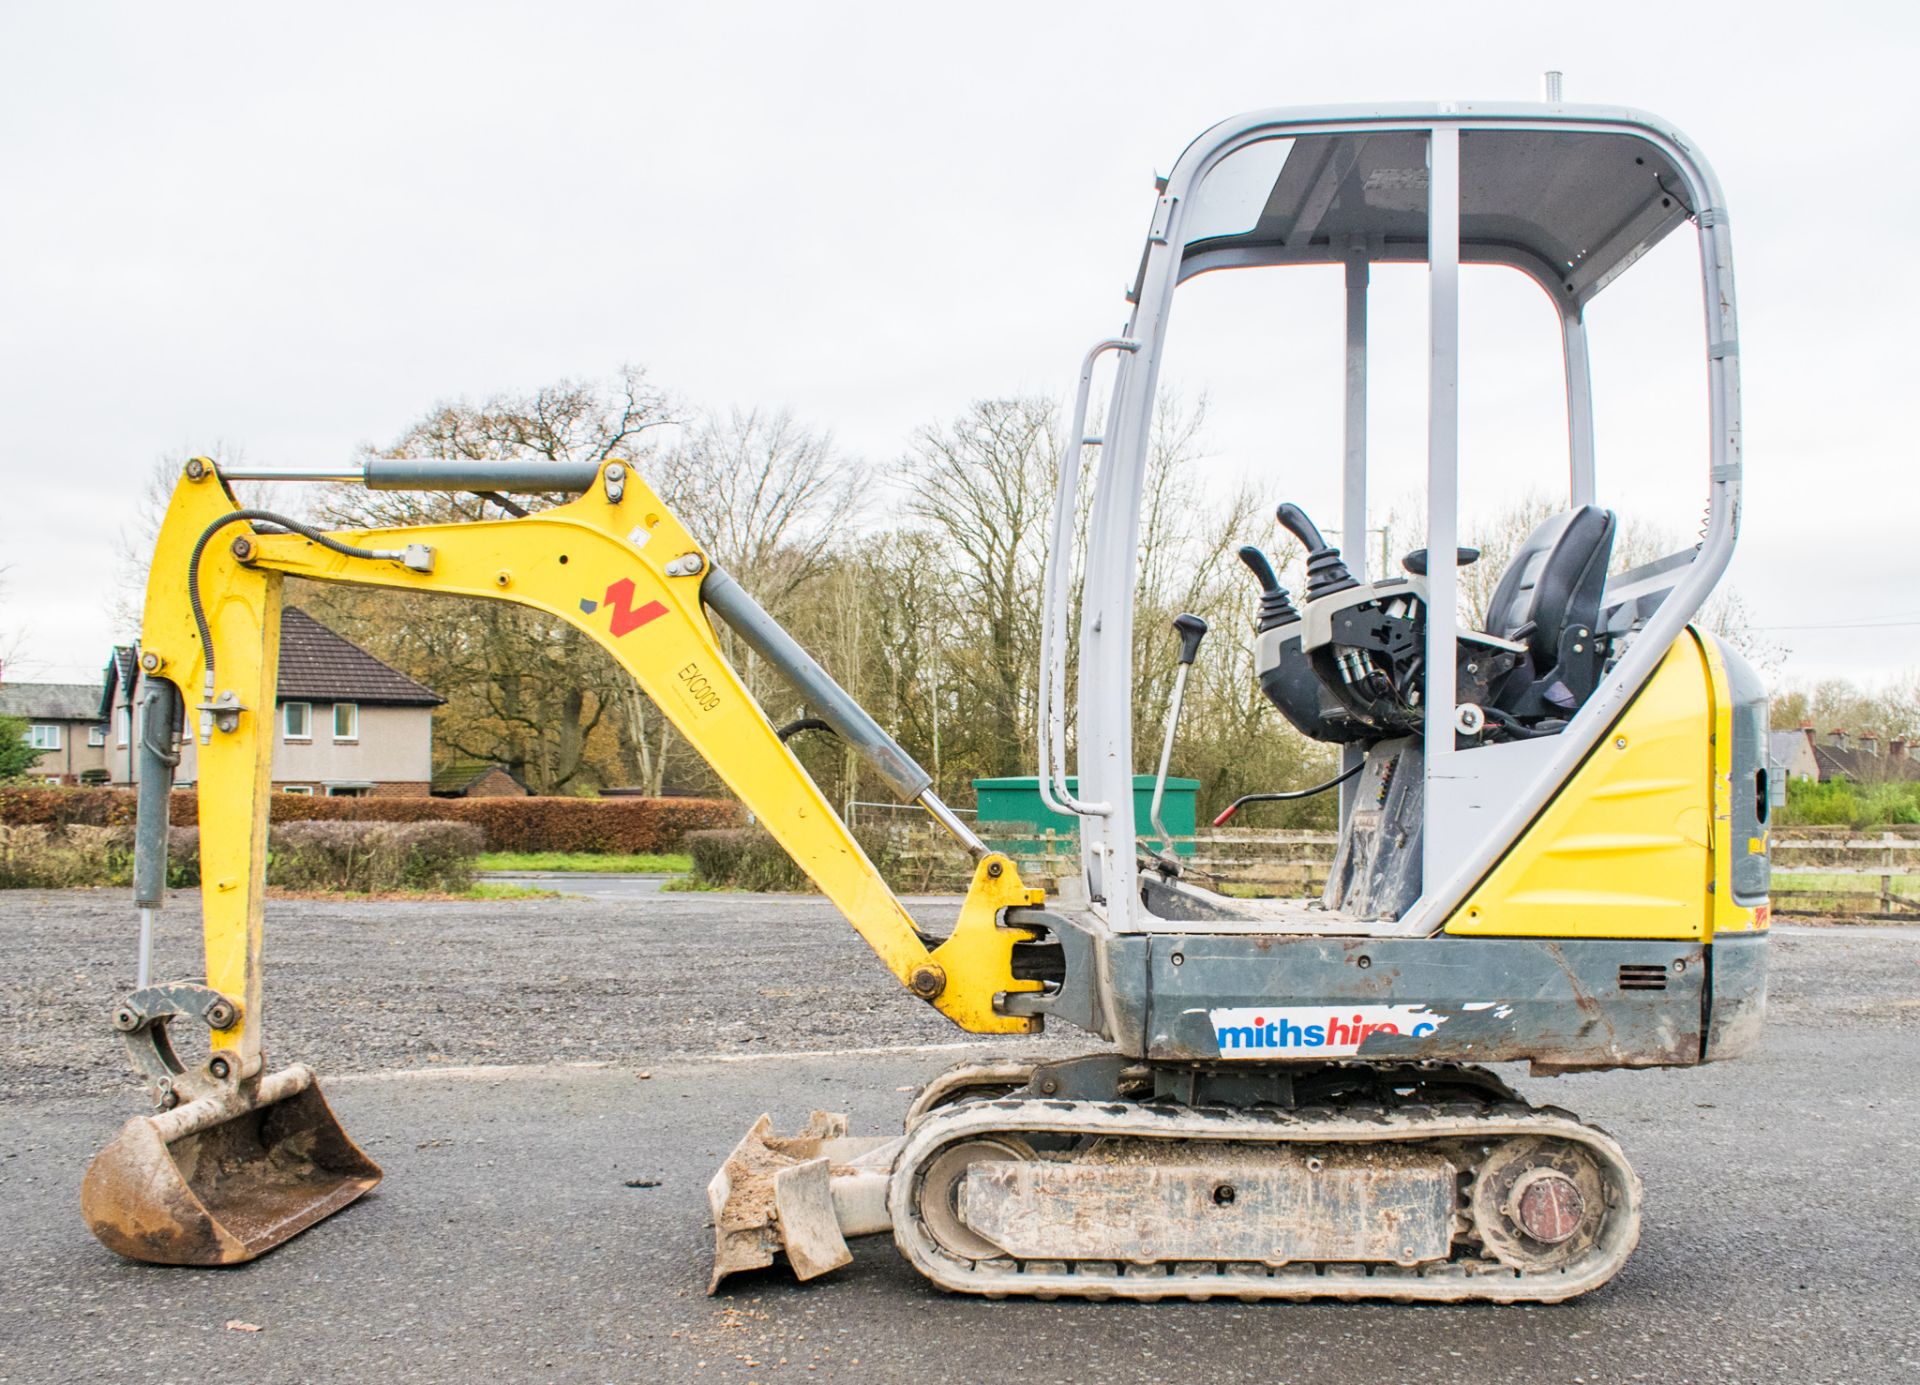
1017	800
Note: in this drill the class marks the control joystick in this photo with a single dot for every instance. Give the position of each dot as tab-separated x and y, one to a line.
1326	573
1276	607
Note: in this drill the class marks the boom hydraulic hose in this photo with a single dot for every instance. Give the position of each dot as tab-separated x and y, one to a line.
292	526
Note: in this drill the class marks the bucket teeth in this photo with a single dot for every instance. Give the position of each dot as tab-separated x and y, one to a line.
799	1195
225	1178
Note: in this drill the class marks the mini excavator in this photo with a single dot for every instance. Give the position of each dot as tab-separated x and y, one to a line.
1553	843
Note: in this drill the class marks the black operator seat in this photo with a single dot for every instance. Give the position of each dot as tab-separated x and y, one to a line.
1549	600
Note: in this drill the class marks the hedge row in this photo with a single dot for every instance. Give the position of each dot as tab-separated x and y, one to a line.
747	858
53	858
364	857
372	856
625	825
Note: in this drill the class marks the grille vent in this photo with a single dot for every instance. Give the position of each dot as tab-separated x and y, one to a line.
1643	976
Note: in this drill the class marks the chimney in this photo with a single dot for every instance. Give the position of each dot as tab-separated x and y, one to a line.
1837	738
1813	739
1869	743
1896	749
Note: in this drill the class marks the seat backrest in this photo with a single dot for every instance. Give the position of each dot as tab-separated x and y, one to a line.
1554	581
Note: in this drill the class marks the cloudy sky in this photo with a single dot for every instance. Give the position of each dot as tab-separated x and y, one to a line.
289	231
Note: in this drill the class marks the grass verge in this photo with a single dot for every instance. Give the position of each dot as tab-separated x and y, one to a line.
493	889
590	862
1836	883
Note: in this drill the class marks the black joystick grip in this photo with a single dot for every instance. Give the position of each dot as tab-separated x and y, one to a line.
1191	630
1275	608
1261	567
1325	572
1294	520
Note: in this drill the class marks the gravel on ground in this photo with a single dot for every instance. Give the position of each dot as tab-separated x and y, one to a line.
362	986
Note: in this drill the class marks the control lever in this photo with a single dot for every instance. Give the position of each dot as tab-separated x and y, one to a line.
1325	571
1191	630
1275	607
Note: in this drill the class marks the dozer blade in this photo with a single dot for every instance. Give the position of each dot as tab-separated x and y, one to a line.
222	1179
800	1196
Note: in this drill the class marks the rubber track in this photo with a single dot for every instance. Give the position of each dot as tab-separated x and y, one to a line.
1458	1280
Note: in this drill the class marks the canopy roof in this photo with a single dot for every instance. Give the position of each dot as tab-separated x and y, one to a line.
1571	207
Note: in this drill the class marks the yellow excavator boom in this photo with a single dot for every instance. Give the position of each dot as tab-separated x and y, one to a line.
613	563
624	572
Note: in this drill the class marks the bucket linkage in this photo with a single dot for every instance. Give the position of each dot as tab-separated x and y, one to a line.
228	1167
236	1159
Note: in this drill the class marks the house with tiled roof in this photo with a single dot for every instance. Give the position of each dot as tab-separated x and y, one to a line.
63	723
344	723
1839	756
1859	759
476	779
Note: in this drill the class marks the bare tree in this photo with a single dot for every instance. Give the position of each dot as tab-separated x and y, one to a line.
524	690
983	484
1186	554
133	547
768	497
1841	704
570	421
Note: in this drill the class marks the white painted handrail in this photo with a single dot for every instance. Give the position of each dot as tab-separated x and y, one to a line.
1051	724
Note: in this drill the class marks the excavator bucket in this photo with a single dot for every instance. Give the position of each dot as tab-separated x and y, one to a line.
800	1196
222	1179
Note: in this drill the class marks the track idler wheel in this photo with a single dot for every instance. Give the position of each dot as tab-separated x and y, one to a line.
940	1193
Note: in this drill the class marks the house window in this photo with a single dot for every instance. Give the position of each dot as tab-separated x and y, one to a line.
123	725
346	791
297	717
96	736
346	721
43	737
304	790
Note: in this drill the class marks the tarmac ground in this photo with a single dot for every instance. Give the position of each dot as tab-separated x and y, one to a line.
549	1085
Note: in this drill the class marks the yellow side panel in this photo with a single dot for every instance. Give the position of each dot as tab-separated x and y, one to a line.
1625	849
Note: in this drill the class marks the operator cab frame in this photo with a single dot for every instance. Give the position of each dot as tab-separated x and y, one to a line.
1570	196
